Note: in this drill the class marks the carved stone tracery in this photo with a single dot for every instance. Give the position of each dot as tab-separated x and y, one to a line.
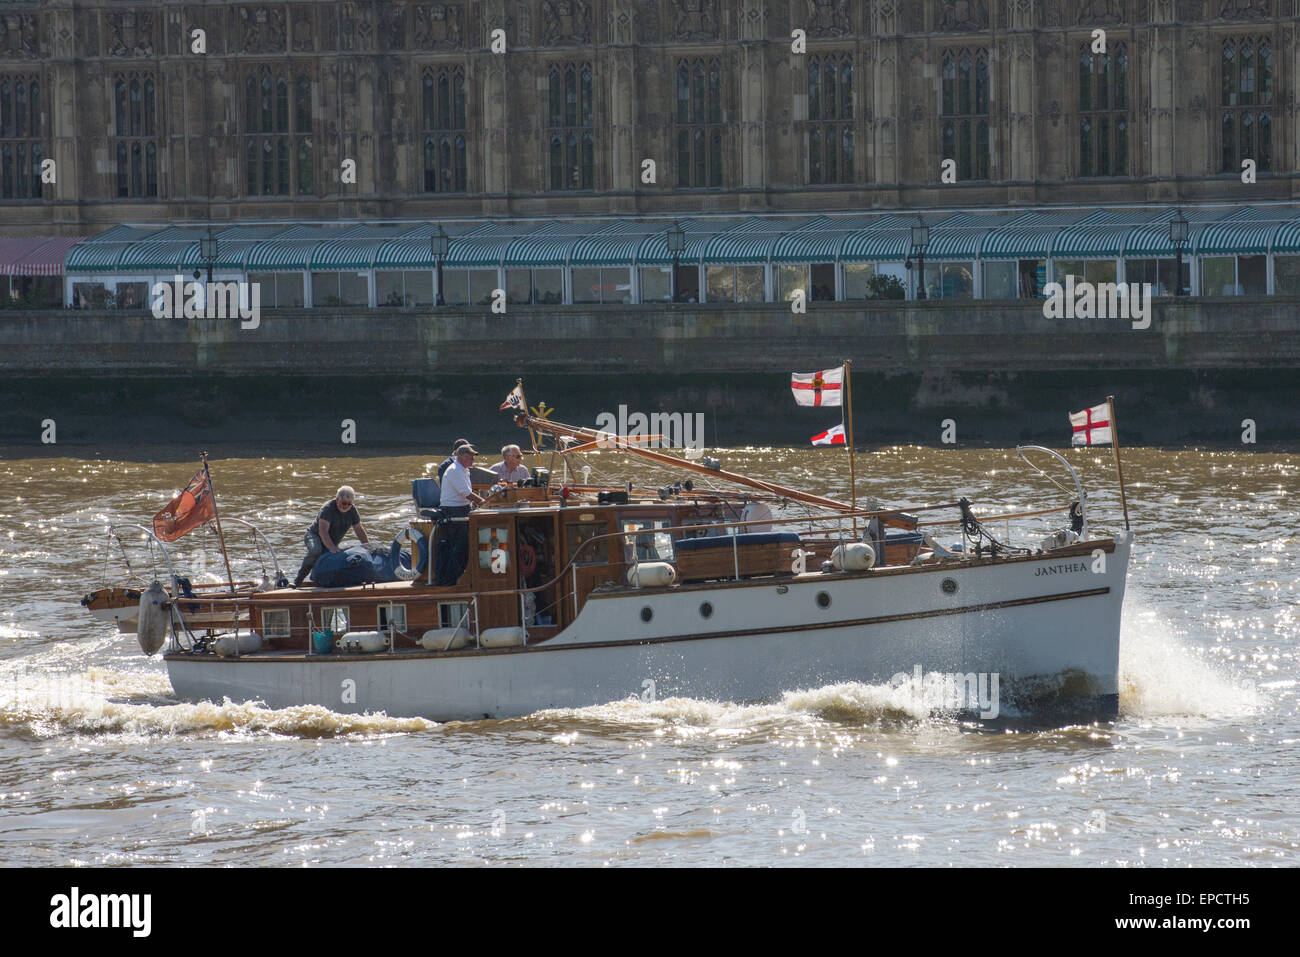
439	26
565	22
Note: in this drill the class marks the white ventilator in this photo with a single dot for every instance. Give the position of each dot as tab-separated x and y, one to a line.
151	627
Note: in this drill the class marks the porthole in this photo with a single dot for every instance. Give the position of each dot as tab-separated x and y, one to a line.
949	586
706	610
647	613
823	599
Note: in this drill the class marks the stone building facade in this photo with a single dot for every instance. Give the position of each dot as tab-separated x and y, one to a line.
185	112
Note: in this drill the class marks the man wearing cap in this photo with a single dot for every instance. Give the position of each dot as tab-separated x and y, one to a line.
335	518
451	459
455	501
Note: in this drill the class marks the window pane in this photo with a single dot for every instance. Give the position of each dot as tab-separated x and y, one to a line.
548	286
1286	275
1068	267
949	85
715	95
586	284
419	288
857	276
325	289
354	289
281	106
147	128
684	158
846	90
963	84
828	90
749	284
306	173
302	122
791	279
814	91
982	84
482	283
656	283
519	286
1103	78
455	286
846	169
683	95
1250	275
815	155
570	97
1000	280
715	159
958	281
1099	270
389	289
1228	145
720	283
119	97
1218	276
616	284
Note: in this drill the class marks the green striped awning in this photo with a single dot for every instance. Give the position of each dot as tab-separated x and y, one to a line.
289	251
547	247
1234	238
1028	236
485	247
1287	239
1091	239
816	241
654	247
101	253
355	248
614	245
890	239
233	245
960	235
746	243
156	256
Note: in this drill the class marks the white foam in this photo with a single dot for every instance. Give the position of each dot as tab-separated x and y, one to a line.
1160	675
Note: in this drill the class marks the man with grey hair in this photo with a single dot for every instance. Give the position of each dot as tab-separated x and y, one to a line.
511	468
335	518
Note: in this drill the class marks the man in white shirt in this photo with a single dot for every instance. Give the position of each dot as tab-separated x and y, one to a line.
455	501
511	468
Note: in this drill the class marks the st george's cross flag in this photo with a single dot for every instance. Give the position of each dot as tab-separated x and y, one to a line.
1092	426
818	388
832	436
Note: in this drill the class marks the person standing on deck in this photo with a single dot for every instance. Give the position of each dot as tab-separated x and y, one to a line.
458	497
335	518
450	460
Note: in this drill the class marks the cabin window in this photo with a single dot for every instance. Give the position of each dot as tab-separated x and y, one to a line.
453	614
647	547
275	623
335	620
494	548
579	532
394	613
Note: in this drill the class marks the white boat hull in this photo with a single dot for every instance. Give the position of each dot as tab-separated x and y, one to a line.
1033	623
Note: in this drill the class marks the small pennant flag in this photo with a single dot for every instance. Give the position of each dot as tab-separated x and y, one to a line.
832	436
515	400
818	388
1092	426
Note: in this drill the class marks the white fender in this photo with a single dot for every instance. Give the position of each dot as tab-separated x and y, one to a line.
855	556
501	637
651	575
248	644
444	639
361	642
155	611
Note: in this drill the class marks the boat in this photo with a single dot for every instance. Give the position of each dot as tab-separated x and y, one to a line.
719	586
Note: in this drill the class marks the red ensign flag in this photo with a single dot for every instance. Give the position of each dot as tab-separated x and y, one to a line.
186	511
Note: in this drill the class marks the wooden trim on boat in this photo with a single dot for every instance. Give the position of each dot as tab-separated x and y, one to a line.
738	633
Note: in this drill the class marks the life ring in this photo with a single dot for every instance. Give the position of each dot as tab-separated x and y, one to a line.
527	560
419	554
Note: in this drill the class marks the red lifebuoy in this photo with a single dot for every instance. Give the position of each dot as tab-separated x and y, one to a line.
527	559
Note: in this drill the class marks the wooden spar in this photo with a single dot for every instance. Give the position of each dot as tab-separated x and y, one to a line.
853	478
609	441
1114	447
217	517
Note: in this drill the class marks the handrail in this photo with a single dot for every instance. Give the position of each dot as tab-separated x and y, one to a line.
1078	486
112	530
265	541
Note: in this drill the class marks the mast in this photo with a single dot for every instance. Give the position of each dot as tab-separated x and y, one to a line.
853	478
1114	447
217	516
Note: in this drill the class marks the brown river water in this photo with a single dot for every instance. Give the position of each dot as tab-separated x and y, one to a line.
100	764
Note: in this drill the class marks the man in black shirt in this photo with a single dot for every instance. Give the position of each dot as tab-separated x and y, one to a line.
324	534
446	463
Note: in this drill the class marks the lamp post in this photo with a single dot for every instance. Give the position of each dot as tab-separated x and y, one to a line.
439	243
920	240
676	243
1178	237
208	250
